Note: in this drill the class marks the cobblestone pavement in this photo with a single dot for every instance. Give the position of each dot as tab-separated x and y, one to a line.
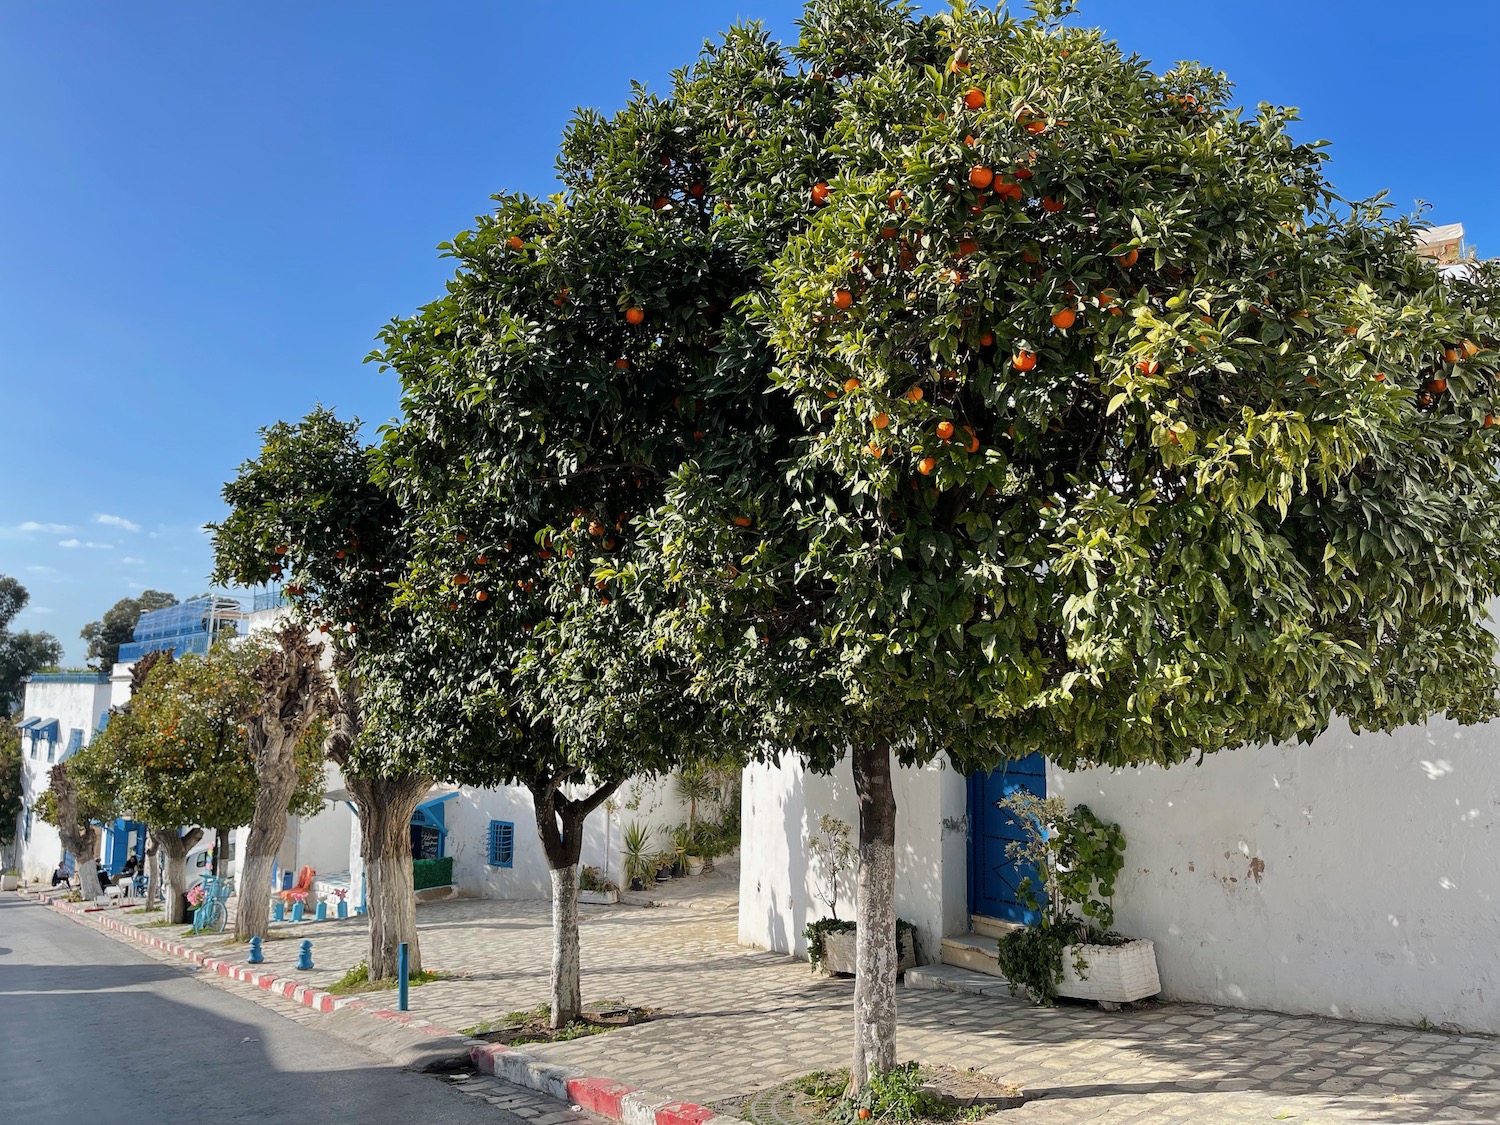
734	1022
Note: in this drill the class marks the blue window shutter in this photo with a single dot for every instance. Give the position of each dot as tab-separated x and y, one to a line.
502	843
75	743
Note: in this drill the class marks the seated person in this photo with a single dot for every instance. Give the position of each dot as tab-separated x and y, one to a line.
132	866
62	874
104	880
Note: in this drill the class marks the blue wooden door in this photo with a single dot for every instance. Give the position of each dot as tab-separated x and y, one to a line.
993	876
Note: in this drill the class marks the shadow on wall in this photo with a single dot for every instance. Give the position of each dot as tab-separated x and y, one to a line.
810	891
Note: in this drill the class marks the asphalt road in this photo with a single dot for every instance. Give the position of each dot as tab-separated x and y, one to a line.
93	1032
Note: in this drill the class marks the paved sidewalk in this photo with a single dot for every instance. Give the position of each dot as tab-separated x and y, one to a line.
734	1022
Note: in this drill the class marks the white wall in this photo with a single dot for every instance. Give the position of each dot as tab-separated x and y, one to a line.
468	816
783	886
76	706
1357	877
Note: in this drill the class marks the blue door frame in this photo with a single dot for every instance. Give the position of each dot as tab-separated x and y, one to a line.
993	877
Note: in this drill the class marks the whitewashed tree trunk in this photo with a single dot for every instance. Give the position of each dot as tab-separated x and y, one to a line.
559	823
875	953
567	997
175	848
88	878
385	809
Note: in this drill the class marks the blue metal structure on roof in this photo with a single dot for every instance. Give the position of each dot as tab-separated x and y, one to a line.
189	628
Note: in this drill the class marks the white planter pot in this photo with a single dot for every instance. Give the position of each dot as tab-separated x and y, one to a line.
694	865
9	882
1115	974
599	898
838	952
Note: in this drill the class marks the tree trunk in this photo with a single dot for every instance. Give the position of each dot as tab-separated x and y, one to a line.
153	867
385	808
276	769
875	956
174	848
292	688
559	823
88	877
566	995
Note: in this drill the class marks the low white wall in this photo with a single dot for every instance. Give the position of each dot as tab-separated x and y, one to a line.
783	886
468	816
1354	877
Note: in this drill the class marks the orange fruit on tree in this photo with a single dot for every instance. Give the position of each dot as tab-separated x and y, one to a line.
887	232
481	596
852	384
926	465
282	549
820	193
914	395
1036	126
460	579
1380	376
515	242
987	340
973	439
981	177
742	521
622	363
1438	386
896	200
882	420
660	202
1471	349
697	435
634	315
1052	205
1148	367
1023	360
1022	173
967	246
1064	318
1450	354
842	298
1489	421
1128	258
876	451
696	191
974	99
944	430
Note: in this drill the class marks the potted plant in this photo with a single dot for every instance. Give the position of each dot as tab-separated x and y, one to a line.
634	849
830	941
10	880
1072	951
594	888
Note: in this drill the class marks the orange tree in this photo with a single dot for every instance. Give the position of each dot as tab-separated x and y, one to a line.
547	397
307	513
180	758
958	386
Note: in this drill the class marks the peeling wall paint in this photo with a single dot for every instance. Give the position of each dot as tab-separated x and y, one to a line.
1357	876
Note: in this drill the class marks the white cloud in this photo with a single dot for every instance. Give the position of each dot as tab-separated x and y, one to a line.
42	569
89	543
117	521
49	528
39	609
133	559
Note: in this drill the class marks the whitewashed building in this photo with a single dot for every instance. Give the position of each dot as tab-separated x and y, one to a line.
1357	876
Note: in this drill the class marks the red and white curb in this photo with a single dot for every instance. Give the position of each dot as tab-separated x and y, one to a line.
616	1101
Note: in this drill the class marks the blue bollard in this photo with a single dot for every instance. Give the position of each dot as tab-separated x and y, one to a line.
278	912
256	957
403	969
304	956
297	912
321	914
343	909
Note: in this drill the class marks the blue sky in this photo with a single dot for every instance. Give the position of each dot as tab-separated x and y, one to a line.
207	211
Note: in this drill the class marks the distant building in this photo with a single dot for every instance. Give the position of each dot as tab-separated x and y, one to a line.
1444	245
